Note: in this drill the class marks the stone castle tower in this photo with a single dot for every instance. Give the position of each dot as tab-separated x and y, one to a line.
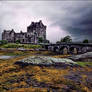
35	31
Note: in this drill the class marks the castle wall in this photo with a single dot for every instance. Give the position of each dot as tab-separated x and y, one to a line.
8	35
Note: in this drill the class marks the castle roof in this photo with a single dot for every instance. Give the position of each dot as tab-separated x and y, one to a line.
9	31
35	25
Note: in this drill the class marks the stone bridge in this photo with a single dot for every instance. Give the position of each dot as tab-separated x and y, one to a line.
69	48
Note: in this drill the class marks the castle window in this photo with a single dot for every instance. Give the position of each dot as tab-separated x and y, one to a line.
23	40
28	35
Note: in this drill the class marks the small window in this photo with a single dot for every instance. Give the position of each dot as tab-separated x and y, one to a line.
23	40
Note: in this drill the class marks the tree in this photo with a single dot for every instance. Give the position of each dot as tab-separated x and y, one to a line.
85	41
40	39
17	41
58	42
47	41
66	39
3	42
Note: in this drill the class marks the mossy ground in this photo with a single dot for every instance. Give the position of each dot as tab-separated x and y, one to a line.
84	64
14	78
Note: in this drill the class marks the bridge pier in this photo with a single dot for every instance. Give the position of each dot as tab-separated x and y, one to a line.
73	50
65	51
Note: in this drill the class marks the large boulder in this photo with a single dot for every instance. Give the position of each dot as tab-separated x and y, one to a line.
44	60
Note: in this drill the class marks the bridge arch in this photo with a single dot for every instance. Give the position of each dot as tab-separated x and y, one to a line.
63	50
73	50
50	48
56	49
84	49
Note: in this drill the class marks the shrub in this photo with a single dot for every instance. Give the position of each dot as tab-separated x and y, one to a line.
85	41
18	41
13	45
3	42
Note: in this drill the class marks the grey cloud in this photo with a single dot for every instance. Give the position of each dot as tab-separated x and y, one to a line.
75	18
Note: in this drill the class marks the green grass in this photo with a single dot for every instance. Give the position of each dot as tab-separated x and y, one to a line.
14	45
83	64
16	53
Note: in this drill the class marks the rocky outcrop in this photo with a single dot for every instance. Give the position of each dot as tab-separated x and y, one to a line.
43	60
87	55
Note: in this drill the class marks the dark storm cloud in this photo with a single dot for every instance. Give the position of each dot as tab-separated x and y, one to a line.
82	26
78	21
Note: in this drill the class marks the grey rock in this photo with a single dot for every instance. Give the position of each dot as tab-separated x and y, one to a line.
6	57
21	49
82	56
45	60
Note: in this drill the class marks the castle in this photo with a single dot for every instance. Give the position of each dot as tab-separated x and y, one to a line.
35	31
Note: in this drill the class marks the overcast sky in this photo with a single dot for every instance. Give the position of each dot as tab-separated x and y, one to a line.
62	18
